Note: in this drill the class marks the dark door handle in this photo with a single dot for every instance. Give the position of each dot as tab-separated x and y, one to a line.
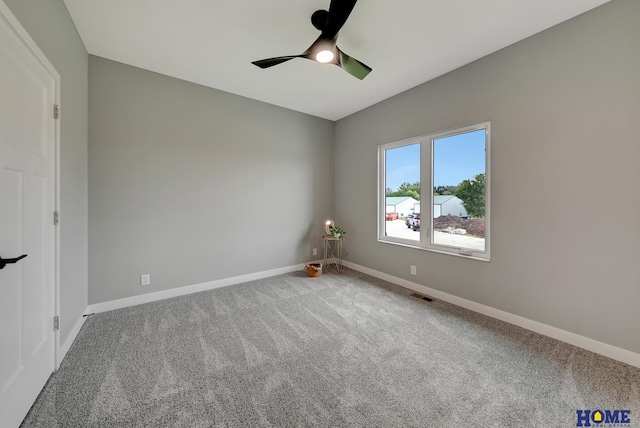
4	262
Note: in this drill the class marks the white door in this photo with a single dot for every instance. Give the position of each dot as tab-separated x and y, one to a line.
27	201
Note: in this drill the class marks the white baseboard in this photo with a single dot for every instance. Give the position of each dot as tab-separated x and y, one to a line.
619	354
188	289
64	347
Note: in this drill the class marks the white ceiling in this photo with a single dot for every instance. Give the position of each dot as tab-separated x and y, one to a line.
406	42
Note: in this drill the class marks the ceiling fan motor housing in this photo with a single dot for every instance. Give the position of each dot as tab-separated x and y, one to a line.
319	19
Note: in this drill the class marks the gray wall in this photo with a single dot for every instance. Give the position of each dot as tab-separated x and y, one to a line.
191	184
564	107
50	26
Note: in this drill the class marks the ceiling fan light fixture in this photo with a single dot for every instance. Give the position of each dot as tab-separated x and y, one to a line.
325	56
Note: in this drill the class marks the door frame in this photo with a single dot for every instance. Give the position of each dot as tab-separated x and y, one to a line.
9	18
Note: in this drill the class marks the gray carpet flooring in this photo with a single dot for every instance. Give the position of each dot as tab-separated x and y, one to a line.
333	351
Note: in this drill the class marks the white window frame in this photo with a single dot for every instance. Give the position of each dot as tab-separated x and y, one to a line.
426	185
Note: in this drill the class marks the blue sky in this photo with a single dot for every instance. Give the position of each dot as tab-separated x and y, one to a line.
456	158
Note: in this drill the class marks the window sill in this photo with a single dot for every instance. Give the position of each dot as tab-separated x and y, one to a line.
435	250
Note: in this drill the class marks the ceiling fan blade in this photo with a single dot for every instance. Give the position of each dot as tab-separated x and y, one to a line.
270	62
339	11
352	65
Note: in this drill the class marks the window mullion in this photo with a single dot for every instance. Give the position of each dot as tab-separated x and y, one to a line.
426	189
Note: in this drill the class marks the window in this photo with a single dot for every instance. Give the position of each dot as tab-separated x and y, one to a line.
434	191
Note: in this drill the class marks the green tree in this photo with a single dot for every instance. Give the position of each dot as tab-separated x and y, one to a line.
444	190
406	189
472	193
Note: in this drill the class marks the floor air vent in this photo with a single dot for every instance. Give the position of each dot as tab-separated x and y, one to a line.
421	297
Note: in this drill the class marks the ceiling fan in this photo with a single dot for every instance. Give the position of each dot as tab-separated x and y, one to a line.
324	49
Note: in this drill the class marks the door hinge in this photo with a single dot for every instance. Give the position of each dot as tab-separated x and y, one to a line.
56	323
56	111
56	218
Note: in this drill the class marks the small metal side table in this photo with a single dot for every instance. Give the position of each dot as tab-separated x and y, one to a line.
332	252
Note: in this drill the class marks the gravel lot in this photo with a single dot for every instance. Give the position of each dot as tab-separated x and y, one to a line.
399	229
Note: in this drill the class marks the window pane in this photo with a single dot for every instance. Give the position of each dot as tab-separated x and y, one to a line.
402	183
459	193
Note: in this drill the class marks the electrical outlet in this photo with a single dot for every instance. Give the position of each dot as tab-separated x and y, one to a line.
413	270
315	251
145	279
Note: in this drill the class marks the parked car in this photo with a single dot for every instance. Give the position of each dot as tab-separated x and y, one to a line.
392	216
413	221
409	220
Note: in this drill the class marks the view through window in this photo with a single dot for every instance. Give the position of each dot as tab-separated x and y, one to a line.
435	192
459	201
402	195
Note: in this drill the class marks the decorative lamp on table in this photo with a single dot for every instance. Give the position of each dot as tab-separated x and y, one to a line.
333	237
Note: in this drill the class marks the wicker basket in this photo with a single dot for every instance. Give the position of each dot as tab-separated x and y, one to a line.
313	268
